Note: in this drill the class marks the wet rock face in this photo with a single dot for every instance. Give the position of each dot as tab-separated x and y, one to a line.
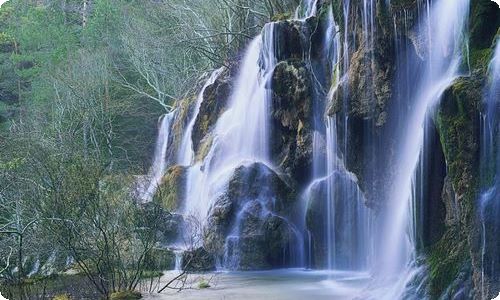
458	126
485	21
291	118
244	226
214	103
290	40
171	191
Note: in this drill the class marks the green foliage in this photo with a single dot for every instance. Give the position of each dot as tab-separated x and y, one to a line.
126	295
445	259
203	285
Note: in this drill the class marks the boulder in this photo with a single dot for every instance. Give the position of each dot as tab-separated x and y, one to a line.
244	227
349	214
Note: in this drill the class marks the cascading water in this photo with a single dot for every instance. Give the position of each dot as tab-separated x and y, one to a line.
443	55
159	159
186	152
307	9
241	133
342	242
349	237
489	204
240	139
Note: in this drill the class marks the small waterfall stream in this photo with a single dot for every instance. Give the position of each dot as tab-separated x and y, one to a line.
489	204
159	163
186	152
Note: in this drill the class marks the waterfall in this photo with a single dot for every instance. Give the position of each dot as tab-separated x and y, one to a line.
489	204
241	133
398	248
351	238
186	152
348	218
307	9
159	164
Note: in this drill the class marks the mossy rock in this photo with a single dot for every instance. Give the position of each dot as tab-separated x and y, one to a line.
214	103
281	16
62	297
458	126
292	117
458	123
480	58
171	191
126	295
445	260
264	238
485	21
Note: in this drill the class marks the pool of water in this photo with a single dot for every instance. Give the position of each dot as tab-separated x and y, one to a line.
275	284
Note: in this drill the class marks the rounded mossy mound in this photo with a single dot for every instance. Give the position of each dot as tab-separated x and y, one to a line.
172	189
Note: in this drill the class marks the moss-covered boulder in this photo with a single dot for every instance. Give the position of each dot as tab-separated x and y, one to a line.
62	297
172	189
262	240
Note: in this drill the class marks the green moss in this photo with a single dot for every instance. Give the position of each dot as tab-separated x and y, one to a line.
62	297
458	126
485	20
171	191
281	16
480	58
126	295
445	260
203	285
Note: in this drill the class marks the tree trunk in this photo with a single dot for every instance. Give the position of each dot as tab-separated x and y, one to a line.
85	12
